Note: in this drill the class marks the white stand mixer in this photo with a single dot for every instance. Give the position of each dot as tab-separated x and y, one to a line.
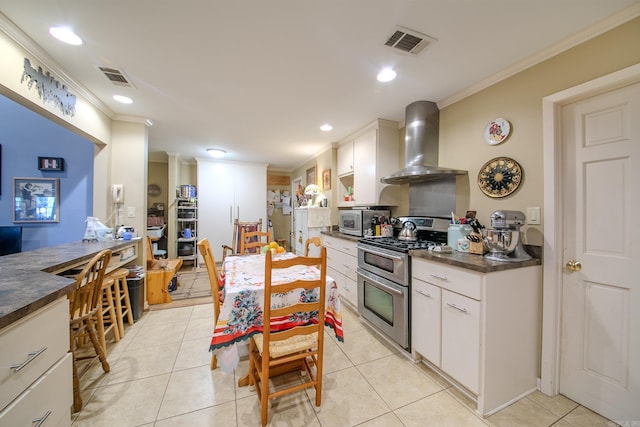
503	241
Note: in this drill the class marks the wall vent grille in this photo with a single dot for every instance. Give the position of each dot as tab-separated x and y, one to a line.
408	41
116	76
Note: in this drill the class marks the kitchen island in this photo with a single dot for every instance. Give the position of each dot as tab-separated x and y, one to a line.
34	329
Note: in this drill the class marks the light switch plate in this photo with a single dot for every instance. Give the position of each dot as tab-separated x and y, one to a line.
533	216
131	212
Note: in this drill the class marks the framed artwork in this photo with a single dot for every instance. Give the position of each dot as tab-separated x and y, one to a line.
311	175
326	179
36	200
50	163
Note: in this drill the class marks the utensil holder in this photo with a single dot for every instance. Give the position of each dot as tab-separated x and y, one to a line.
476	247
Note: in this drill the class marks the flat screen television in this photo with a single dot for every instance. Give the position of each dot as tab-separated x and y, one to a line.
10	240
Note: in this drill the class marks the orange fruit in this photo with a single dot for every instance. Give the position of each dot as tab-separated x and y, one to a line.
280	249
273	245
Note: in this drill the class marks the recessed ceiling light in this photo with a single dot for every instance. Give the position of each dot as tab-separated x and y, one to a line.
123	99
386	75
66	35
216	152
326	127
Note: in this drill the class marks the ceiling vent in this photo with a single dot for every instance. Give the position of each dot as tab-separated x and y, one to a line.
117	77
408	41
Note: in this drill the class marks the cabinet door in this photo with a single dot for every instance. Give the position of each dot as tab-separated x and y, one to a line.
216	204
461	339
425	320
364	175
345	158
250	193
301	235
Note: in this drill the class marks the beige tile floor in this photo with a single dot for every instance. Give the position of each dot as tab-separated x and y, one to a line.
193	284
160	377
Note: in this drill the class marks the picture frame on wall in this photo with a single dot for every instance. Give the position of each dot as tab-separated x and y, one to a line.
311	175
51	163
36	200
326	179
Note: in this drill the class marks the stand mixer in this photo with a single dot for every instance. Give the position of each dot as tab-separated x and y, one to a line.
503	240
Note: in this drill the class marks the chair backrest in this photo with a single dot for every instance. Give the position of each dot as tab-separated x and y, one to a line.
84	299
311	241
207	254
252	241
311	300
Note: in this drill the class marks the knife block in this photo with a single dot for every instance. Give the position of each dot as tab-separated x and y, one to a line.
476	247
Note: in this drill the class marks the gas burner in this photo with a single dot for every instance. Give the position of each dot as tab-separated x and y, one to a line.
400	245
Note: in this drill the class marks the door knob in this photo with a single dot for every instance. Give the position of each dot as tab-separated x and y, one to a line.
573	265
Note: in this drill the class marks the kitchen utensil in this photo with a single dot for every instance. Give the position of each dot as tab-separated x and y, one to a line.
408	231
186	233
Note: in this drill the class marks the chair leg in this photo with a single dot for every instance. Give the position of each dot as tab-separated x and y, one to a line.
118	300
264	392
97	346
214	362
77	398
124	288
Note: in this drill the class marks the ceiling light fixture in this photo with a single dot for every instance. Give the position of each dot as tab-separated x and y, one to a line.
65	35
386	75
216	152
123	99
326	127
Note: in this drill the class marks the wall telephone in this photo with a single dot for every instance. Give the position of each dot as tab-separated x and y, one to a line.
117	193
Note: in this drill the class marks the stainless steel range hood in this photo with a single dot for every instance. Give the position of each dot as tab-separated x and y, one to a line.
422	119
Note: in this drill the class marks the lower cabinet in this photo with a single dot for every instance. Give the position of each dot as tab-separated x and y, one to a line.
342	265
479	331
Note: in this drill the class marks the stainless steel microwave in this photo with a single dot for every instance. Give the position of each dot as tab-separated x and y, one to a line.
355	221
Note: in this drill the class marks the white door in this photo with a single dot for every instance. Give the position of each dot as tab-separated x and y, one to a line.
600	326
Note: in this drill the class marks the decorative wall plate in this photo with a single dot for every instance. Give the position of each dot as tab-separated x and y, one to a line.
154	190
500	177
497	131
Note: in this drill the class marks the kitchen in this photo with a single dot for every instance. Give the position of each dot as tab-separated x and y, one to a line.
519	99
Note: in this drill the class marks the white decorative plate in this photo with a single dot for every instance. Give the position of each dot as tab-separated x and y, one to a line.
497	131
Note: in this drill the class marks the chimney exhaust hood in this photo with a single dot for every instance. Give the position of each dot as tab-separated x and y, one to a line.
422	120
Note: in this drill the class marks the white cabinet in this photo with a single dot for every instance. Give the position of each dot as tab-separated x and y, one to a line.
489	328
309	222
342	264
345	158
425	320
375	155
229	191
38	377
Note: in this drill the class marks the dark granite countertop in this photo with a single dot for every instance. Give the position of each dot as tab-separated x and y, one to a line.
28	280
459	259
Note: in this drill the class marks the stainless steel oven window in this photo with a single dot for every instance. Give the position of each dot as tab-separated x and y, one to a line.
379	302
379	261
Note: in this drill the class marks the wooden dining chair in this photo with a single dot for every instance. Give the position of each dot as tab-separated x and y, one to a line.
85	314
311	241
205	250
252	241
238	226
297	348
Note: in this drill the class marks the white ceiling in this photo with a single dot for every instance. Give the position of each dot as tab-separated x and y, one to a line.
257	78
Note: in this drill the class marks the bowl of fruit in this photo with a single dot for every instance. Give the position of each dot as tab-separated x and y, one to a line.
274	247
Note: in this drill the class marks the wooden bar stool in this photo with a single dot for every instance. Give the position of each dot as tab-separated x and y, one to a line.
121	297
107	317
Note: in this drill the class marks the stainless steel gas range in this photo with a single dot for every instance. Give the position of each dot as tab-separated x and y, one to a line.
384	275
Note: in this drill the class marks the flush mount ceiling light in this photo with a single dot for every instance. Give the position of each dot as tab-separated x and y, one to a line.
386	75
65	35
123	99
216	152
326	127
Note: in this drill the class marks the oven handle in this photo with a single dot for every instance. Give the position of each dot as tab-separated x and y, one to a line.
382	286
384	254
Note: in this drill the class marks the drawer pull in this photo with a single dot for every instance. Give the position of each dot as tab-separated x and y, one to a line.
422	293
464	310
438	276
32	355
40	420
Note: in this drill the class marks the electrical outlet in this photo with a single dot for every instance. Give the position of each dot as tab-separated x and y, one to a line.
533	216
131	212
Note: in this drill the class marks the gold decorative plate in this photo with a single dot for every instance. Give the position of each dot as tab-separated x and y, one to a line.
500	177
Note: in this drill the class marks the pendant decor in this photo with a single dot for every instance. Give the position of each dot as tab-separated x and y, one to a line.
497	131
49	89
500	177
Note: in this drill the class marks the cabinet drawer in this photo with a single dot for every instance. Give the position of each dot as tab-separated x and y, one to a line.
455	279
50	396
341	245
37	342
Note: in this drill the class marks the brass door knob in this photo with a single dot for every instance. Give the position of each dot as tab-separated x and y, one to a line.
573	265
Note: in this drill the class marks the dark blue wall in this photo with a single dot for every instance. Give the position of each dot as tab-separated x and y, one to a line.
25	135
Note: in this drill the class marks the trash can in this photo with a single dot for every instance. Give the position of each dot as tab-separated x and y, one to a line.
136	295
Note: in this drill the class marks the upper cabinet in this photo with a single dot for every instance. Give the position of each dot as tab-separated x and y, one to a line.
364	158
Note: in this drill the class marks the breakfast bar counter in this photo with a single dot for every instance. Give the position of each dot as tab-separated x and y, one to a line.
29	280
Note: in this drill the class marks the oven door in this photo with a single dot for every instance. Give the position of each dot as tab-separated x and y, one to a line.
386	305
391	265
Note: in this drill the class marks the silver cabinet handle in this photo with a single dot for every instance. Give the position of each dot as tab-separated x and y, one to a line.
31	356
422	293
40	420
230	214
438	276
464	310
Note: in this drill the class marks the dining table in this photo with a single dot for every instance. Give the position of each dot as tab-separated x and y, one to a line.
242	285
